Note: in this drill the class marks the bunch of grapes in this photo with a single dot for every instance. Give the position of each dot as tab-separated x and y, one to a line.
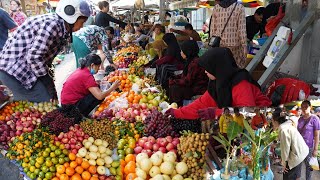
57	122
71	111
158	125
180	125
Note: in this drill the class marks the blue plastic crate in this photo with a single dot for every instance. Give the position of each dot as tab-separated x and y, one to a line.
261	41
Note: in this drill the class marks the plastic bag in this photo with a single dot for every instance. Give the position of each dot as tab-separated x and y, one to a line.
119	103
302	95
273	22
314	163
104	85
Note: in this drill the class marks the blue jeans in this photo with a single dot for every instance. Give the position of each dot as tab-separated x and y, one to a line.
38	93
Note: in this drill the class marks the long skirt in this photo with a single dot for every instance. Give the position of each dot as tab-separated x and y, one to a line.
238	55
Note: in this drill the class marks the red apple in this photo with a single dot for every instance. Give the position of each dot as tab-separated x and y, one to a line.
151	139
169	146
137	150
169	139
155	147
147	145
174	150
64	140
74	151
141	142
163	149
163	142
175	142
73	141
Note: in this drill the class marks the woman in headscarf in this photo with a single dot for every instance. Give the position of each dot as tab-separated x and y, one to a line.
229	86
170	62
193	80
234	36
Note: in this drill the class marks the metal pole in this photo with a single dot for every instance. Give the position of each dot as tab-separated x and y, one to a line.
162	9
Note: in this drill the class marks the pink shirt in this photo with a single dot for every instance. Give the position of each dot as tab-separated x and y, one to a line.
77	86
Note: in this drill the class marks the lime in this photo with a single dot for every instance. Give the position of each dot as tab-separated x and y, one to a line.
41	174
32	162
61	161
24	164
52	154
32	176
48	158
57	143
44	169
45	154
55	160
115	164
40	160
25	170
36	171
28	173
53	148
65	152
48	150
119	172
37	165
57	152
129	151
121	152
49	163
118	178
66	159
52	169
113	171
61	156
121	156
49	175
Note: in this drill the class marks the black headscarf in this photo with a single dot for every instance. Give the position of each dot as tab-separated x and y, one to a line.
191	49
226	3
173	46
220	63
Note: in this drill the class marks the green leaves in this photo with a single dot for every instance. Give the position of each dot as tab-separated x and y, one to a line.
234	129
249	129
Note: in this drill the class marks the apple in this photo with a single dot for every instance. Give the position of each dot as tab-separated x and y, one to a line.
169	139
147	145
169	146
138	149
163	149
163	142
151	139
175	142
155	147
155	170
141	142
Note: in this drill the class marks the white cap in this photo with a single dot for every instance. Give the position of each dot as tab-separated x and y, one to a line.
71	10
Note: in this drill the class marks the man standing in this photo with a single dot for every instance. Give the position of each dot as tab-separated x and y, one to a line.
26	58
255	24
188	34
103	18
6	24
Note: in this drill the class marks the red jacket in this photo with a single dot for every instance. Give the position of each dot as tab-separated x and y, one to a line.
243	94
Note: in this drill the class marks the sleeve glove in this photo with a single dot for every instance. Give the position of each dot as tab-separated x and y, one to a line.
170	112
208	113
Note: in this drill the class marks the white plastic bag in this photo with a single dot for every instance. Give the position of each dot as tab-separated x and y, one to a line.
302	95
104	85
314	163
119	103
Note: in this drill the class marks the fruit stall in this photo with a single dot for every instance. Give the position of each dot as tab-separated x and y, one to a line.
127	137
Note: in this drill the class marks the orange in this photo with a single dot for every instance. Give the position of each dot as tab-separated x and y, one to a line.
79	169
61	169
55	178
64	177
76	177
72	157
122	162
69	171
73	164
85	164
66	164
131	176
79	160
86	175
94	178
130	167
130	157
58	175
92	169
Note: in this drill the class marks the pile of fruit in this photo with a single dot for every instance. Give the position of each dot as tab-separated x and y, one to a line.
72	140
126	56
100	129
57	122
122	76
158	125
142	60
160	166
125	129
192	149
150	145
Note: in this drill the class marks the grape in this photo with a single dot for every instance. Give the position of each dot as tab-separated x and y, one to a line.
57	122
158	125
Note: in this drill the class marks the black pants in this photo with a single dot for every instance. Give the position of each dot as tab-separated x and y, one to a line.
87	104
293	173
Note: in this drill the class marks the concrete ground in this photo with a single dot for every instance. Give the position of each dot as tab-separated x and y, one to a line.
277	176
